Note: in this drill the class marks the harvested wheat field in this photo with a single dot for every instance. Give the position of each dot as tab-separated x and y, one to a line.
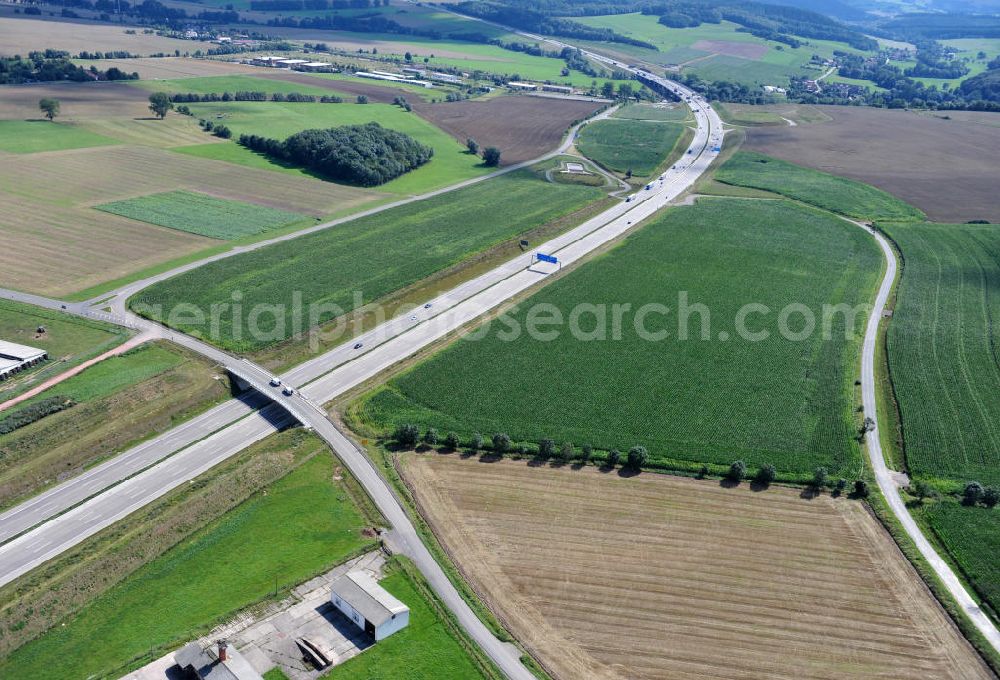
522	127
878	146
20	35
603	576
59	244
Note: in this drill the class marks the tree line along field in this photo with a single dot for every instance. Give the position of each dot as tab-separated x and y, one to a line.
823	190
629	145
779	401
115	403
204	215
604	576
374	255
297	526
68	340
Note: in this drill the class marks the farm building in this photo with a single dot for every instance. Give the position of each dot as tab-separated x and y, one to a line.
316	67
558	88
391	77
266	60
444	78
289	63
369	605
527	87
217	662
411	72
15	357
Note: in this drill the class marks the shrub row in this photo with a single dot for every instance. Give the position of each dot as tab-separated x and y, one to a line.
34	412
253	96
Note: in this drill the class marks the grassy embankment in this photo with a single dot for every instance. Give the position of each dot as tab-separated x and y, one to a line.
629	145
293	515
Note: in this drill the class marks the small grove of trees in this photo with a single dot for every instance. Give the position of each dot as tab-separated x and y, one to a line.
501	443
367	154
34	412
472	145
362	99
49	106
159	104
637	457
491	156
737	471
407	435
975	493
766	475
614	457
217	129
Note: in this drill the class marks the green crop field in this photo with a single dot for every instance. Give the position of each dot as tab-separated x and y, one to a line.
972	537
30	136
942	352
235	83
623	145
783	399
279	120
424	650
305	522
373	255
823	190
676	113
67	339
202	214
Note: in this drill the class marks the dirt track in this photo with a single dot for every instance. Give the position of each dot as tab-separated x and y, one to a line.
655	576
947	168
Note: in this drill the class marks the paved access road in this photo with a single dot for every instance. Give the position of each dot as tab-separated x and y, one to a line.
61	520
886	477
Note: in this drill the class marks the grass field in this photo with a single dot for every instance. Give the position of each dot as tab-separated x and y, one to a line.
816	188
717	51
622	145
279	120
67	339
673	113
942	350
231	84
31	136
781	400
298	526
374	256
424	650
604	576
972	537
119	402
203	215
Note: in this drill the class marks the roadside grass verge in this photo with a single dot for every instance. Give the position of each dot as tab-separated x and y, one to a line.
777	400
294	528
823	190
372	256
429	648
69	341
622	145
32	136
118	403
204	215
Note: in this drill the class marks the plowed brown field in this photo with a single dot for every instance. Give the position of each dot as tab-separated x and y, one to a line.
602	576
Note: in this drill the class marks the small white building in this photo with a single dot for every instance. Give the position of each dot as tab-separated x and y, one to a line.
370	606
15	357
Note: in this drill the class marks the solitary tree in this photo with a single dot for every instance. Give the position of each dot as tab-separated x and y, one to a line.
586	452
451	441
614	456
819	477
491	156
973	493
861	488
159	104
49	106
431	436
922	489
408	56
472	145
546	448
407	435
501	443
766	474
362	99
841	485
476	442
637	457
737	471
566	452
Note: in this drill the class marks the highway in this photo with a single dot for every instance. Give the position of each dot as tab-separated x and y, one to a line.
67	514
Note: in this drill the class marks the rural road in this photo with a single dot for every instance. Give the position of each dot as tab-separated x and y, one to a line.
67	514
886	477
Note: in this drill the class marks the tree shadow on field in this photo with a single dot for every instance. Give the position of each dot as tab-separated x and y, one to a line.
727	483
627	472
809	493
490	457
758	486
537	461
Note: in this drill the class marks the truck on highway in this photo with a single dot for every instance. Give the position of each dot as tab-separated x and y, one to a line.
649	186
